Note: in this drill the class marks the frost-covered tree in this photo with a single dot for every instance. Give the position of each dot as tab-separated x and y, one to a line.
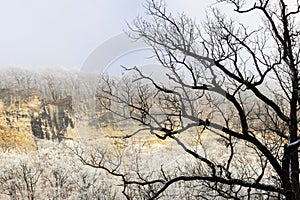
51	172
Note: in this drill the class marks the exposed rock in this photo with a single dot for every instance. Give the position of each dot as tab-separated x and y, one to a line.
53	120
24	111
15	119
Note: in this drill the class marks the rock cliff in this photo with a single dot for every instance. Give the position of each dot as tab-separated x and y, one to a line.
53	120
23	112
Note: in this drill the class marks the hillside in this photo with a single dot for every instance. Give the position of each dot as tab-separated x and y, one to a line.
25	117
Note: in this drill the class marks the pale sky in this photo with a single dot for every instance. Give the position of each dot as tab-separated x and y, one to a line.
45	33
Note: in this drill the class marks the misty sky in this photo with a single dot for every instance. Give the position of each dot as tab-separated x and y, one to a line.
45	33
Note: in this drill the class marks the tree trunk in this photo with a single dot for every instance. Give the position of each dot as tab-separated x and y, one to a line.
293	131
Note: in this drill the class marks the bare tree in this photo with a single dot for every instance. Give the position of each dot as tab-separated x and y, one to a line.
57	83
235	82
21	78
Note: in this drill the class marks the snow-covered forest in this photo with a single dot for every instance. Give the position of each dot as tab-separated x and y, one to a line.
219	121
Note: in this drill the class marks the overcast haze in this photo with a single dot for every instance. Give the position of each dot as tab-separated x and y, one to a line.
45	33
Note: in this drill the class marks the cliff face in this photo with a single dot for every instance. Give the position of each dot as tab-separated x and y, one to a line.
53	120
23	113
